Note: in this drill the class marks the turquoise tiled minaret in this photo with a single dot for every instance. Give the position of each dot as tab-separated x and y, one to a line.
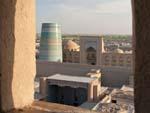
51	43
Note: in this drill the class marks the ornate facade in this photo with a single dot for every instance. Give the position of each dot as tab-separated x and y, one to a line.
91	51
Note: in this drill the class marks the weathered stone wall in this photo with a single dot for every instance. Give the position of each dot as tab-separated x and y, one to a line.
112	76
141	26
17	43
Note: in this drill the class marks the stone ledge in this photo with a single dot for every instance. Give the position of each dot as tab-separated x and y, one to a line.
44	107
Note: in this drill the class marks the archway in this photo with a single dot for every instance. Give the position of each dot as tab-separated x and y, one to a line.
91	55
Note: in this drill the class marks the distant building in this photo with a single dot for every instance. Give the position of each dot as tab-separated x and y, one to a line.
71	52
117	58
91	51
84	49
91	48
51	43
88	50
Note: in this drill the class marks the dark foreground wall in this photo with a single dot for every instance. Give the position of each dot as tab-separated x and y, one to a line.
141	28
112	77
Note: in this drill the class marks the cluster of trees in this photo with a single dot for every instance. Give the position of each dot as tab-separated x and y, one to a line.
117	37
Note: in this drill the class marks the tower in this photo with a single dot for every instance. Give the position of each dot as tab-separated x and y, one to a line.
51	43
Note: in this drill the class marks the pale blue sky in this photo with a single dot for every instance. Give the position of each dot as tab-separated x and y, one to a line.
87	16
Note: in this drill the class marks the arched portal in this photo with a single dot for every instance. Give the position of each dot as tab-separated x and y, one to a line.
91	55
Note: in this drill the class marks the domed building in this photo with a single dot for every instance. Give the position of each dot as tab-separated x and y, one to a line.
117	58
90	50
118	51
71	52
71	46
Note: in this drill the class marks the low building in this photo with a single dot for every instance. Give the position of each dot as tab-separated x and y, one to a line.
125	95
70	90
120	101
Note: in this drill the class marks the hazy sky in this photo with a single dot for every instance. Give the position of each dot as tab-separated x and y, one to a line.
87	16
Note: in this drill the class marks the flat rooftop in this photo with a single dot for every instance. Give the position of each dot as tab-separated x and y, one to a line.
61	77
125	93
